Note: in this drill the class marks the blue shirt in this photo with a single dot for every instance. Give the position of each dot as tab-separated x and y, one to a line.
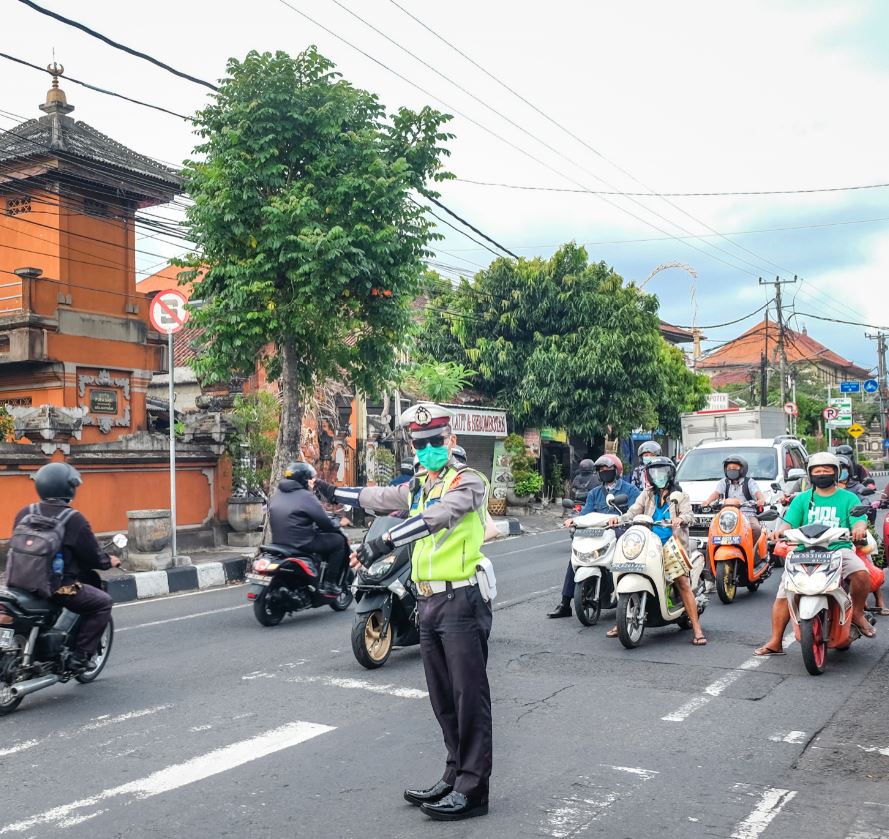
662	513
595	501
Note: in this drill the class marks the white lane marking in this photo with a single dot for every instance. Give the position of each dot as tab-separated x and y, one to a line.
179	775
647	774
874	749
532	548
525	597
770	803
93	725
361	684
197	728
789	737
155	600
183	618
683	712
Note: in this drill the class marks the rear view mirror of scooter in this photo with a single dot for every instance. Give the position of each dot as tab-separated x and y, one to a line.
860	510
617	502
567	504
768	515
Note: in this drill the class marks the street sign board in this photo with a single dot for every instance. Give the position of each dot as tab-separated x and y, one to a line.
850	387
856	431
790	409
167	311
886	444
871	386
844	412
830	413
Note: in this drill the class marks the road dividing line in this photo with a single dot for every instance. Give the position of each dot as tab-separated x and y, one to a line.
173	777
532	548
789	737
714	689
770	803
360	684
182	618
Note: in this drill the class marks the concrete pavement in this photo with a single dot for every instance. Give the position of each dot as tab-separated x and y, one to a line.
206	724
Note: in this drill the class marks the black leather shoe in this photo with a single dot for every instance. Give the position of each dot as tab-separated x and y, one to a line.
427	796
563	610
79	662
455	806
331	590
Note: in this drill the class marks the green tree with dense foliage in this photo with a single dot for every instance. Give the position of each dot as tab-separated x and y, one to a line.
564	342
303	213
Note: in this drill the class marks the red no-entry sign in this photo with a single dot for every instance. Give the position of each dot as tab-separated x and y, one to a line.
167	312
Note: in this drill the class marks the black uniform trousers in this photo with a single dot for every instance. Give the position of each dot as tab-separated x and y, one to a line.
332	548
454	630
94	607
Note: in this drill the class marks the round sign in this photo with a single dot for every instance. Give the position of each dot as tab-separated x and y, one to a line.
830	413
790	409
167	311
871	386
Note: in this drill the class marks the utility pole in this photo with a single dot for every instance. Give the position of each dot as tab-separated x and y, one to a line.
880	338
782	346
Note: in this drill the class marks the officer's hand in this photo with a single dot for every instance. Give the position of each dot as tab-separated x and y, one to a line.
325	490
354	562
569	523
371	551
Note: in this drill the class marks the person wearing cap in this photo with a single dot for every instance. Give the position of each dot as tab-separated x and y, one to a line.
446	525
298	522
404	475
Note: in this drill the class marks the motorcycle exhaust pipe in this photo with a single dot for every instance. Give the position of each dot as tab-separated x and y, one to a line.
32	686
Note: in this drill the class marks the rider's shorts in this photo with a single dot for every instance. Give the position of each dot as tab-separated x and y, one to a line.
851	563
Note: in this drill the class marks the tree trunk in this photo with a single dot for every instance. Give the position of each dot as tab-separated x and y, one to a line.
288	447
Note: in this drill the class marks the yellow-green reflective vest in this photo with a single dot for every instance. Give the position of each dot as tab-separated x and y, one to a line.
450	554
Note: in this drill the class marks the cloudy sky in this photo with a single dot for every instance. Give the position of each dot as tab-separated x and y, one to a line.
681	97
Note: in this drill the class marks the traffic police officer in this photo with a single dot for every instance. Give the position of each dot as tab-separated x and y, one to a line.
447	509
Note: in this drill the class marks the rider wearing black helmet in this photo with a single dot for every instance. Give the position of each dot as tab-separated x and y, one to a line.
859	473
585	480
737	485
298	521
56	484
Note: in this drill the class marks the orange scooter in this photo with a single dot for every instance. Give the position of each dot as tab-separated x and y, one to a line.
734	558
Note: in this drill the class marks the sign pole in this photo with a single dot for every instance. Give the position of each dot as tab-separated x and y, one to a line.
170	367
829	428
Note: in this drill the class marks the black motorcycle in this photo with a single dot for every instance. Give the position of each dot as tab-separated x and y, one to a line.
36	642
283	581
385	603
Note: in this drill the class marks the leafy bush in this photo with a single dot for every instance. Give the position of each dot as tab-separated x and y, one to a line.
7	433
529	484
252	446
528	481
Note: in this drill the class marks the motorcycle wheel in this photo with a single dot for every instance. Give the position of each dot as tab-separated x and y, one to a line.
8	664
101	658
343	601
371	651
630	620
813	644
267	612
587	609
725	581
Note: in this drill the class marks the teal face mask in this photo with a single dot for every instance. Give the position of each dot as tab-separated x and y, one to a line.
433	458
659	478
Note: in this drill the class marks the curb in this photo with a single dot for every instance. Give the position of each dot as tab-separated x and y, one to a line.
508	527
147	584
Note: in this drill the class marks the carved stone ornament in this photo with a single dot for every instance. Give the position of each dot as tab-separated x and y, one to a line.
49	427
104	379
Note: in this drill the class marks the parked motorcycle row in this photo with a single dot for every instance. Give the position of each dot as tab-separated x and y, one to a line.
618	568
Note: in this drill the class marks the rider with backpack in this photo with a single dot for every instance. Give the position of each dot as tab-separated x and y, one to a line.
52	544
736	484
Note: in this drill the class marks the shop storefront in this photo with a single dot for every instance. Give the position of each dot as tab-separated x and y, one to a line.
478	430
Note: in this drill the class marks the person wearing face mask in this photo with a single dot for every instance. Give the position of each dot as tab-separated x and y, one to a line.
609	470
446	525
736	485
826	503
671	518
646	453
584	481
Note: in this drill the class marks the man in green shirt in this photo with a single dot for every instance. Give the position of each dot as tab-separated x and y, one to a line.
831	506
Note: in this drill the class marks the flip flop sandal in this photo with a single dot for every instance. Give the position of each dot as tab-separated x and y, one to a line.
876	611
764	652
699	641
612	633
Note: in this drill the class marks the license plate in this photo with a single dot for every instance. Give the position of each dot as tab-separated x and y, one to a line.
589	532
6	637
258	579
809	557
726	540
628	567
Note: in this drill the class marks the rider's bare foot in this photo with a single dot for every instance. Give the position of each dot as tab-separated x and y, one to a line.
864	626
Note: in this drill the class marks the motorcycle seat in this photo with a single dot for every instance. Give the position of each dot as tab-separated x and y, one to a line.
26	601
279	550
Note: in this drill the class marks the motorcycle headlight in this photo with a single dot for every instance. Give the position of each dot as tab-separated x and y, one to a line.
380	567
631	545
586	556
728	521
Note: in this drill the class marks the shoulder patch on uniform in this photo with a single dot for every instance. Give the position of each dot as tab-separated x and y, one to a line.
457	478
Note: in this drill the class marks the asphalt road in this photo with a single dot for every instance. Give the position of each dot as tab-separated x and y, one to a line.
205	724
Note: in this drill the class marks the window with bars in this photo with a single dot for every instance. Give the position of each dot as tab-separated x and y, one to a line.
18	205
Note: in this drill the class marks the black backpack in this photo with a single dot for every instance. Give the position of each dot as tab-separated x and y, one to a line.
32	548
745	488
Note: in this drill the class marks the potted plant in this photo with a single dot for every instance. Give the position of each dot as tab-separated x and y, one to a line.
251	448
528	481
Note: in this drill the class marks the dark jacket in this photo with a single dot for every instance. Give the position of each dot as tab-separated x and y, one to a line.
582	483
81	549
296	515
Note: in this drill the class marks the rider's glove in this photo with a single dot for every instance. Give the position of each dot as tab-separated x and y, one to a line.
325	490
371	551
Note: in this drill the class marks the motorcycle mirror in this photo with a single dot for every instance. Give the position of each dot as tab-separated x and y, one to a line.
868	491
120	541
618	501
860	510
776	486
567	504
675	496
796	474
768	515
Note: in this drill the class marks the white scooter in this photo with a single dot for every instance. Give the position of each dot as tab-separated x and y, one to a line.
820	606
644	597
592	550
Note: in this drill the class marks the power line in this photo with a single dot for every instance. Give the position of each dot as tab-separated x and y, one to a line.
672	194
839	320
472	227
731	322
118	46
97	89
